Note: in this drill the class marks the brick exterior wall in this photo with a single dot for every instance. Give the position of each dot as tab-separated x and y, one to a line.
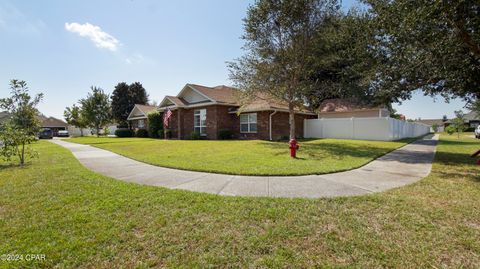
182	121
218	118
281	127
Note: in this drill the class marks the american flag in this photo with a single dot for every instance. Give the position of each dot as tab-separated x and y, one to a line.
166	117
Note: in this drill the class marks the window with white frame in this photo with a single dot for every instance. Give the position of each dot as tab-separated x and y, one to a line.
248	123
200	121
141	123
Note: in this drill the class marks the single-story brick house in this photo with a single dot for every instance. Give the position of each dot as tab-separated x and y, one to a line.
208	110
138	117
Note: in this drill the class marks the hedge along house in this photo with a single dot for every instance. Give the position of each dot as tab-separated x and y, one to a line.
209	110
138	117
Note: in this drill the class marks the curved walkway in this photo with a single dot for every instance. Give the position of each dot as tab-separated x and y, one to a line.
397	168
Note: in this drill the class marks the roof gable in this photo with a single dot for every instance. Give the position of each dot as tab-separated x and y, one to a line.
219	94
192	95
172	101
141	111
166	102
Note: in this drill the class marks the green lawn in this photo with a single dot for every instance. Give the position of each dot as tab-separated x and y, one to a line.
77	218
253	157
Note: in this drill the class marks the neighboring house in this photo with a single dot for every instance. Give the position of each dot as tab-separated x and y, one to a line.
430	122
139	115
53	123
208	110
472	120
45	122
4	115
346	108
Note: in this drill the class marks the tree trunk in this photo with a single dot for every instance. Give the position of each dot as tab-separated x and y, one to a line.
81	132
291	120
22	157
98	131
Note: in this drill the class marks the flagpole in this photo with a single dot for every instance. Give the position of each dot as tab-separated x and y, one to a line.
166	118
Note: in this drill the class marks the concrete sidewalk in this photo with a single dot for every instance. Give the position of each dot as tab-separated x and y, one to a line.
398	168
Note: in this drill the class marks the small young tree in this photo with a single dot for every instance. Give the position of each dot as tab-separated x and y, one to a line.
20	130
435	127
73	116
96	109
458	123
450	129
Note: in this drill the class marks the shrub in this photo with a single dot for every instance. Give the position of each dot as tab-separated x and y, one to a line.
450	129
160	134
225	134
123	132
195	136
141	133
155	124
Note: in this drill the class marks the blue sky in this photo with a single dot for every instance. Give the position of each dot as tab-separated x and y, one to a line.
61	48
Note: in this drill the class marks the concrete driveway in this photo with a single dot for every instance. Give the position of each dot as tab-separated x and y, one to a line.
395	169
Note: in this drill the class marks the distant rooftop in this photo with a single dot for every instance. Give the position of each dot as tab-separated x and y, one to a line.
343	105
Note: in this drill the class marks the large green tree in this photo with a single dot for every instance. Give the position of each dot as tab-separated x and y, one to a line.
96	109
343	62
23	125
426	44
279	40
124	97
73	116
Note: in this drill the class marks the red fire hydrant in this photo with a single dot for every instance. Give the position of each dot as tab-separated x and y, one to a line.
293	145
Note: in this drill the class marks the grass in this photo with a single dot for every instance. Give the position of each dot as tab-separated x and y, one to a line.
253	157
77	218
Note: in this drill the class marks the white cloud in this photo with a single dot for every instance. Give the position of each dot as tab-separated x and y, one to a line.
100	38
135	59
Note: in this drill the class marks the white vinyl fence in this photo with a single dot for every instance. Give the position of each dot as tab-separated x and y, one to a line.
75	132
385	129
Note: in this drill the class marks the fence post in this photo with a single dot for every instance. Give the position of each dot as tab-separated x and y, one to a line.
304	128
352	120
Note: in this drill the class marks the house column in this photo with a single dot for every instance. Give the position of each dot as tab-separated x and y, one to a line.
179	122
